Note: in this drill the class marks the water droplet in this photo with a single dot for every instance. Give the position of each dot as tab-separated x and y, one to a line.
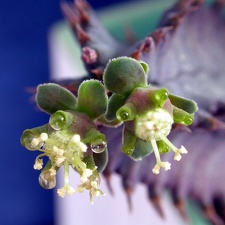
57	121
161	96
98	147
124	115
129	152
27	139
188	121
46	180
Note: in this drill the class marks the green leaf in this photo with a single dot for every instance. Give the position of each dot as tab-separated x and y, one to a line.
142	149
93	135
127	112
129	142
52	97
114	103
182	117
145	66
183	103
122	75
92	99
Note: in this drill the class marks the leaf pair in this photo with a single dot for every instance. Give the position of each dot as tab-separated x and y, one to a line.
91	99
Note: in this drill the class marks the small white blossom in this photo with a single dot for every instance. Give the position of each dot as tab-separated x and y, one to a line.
153	125
59	160
178	153
62	192
157	167
52	172
58	151
35	142
43	136
83	147
183	150
39	140
177	156
70	190
38	164
75	138
86	173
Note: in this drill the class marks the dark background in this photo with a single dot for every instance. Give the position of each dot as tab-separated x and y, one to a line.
24	26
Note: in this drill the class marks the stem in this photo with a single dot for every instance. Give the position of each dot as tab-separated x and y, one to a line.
156	151
170	145
66	173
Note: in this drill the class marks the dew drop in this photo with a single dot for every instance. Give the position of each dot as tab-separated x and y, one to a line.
161	96
27	139
124	115
57	121
98	147
46	180
129	152
188	121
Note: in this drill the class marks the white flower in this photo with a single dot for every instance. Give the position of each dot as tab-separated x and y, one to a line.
153	125
75	138
58	151
43	136
59	160
177	156
178	153
39	140
38	164
156	169
52	172
183	150
62	192
86	173
165	165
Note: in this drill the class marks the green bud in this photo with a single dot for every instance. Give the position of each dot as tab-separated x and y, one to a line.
159	96
129	142
127	112
182	117
163	148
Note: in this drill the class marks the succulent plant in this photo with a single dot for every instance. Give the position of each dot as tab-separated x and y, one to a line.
186	56
71	138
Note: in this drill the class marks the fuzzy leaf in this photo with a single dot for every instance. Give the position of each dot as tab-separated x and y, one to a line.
129	142
52	97
122	75
115	102
142	149
183	103
92	98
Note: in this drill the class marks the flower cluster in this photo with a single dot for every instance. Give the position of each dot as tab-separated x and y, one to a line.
147	113
71	138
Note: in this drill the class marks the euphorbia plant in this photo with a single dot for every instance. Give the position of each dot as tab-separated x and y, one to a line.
71	138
